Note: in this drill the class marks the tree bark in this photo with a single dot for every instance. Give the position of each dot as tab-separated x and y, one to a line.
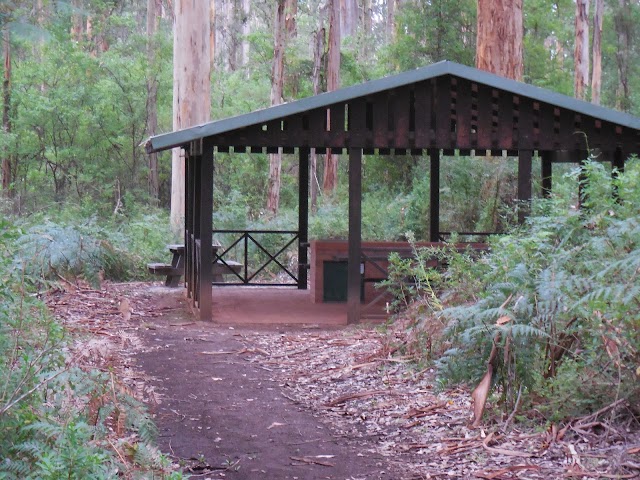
391	20
318	49
231	36
348	17
499	46
330	179
152	96
277	86
245	17
367	30
7	177
581	50
291	14
212	33
623	31
191	87
596	74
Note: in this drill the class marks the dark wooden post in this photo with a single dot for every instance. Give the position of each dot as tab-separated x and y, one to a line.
355	235
434	195
524	183
206	227
188	223
617	167
303	217
546	167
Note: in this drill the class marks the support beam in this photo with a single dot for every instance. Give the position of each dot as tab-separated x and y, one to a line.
303	217
618	160
206	227
546	172
189	223
434	195
524	183
355	235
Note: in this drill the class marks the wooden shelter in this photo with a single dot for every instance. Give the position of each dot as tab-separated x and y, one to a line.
438	109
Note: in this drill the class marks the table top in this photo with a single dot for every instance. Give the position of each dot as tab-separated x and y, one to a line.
179	247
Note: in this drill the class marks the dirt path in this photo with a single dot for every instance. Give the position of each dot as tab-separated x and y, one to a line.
287	403
223	414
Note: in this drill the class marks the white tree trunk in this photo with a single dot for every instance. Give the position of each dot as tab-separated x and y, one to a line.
596	75
246	30
581	52
191	87
277	87
330	179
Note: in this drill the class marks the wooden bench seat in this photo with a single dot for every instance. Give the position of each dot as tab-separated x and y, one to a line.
163	269
173	274
228	268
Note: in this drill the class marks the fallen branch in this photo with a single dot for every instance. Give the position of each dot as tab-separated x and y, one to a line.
355	396
499	473
591	417
502	451
312	461
572	471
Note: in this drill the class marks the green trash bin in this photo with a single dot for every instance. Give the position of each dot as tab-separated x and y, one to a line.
334	284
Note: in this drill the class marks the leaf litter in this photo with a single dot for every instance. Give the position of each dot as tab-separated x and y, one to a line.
353	380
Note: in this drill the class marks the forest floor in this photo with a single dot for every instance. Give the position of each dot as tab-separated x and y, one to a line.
310	403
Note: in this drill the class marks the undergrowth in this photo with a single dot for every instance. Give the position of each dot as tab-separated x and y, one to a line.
558	297
59	419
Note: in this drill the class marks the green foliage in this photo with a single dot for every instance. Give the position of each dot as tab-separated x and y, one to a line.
560	299
56	418
428	32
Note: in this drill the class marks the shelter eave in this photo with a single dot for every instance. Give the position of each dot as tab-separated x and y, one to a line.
222	128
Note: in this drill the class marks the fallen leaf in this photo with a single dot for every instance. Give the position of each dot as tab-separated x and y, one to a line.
480	394
503	319
125	309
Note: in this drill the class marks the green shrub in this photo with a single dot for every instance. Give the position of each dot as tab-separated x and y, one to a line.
558	297
55	417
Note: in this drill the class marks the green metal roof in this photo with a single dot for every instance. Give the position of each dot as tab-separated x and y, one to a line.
181	137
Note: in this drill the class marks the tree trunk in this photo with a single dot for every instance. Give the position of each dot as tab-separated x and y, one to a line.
245	20
596	74
291	15
367	25
330	179
581	51
318	49
152	96
348	17
231	36
191	87
277	86
499	37
623	31
212	33
7	178
391	20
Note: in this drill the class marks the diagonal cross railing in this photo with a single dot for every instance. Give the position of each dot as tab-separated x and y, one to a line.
260	263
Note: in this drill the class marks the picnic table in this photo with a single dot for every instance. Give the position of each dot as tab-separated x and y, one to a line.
175	269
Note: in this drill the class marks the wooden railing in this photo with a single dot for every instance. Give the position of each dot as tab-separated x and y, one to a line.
261	264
